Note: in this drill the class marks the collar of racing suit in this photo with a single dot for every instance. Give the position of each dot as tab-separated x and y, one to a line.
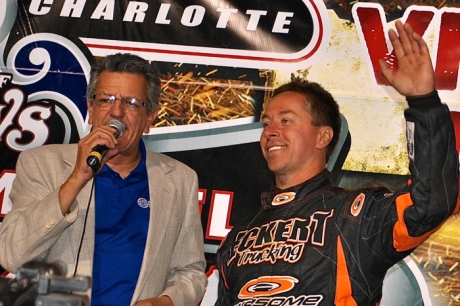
280	197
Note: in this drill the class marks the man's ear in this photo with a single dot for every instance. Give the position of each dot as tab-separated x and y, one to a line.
150	118
325	136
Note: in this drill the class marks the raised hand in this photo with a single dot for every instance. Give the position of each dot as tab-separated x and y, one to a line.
414	75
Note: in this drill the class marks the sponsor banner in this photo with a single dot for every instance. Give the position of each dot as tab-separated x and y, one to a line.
219	62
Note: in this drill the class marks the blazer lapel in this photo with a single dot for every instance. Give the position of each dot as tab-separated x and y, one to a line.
160	206
85	265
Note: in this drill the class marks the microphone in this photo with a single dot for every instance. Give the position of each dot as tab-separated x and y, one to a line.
94	159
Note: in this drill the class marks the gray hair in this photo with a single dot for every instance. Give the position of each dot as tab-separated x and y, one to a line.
127	63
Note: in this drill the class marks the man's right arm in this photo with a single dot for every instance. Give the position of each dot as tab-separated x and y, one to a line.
35	222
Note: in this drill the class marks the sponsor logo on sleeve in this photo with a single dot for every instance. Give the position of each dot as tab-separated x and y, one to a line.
357	205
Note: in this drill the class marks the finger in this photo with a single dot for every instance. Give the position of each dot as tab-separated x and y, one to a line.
103	136
405	34
386	69
396	43
414	38
421	44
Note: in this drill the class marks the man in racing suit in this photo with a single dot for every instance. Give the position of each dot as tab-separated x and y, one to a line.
313	243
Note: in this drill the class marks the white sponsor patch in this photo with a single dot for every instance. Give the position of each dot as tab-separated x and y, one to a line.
410	130
143	203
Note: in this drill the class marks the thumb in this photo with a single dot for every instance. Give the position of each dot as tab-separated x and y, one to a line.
386	69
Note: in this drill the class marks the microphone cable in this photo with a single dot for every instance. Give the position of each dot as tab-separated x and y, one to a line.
94	161
84	225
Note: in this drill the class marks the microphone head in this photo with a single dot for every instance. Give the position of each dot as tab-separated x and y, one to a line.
117	125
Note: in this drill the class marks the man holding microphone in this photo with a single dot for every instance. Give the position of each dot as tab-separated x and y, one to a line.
132	222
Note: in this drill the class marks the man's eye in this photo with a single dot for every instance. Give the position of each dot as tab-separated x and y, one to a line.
105	100
131	102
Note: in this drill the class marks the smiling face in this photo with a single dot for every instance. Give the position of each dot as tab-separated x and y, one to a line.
136	122
294	149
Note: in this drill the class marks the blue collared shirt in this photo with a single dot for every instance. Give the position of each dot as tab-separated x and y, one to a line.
122	219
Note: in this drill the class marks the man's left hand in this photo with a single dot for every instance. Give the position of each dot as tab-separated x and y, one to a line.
415	75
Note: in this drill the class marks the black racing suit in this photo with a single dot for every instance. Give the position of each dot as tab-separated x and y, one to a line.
318	244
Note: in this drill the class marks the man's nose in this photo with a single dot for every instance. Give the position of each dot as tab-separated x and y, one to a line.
271	130
117	108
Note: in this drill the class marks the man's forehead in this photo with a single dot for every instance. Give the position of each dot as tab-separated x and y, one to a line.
125	81
279	112
280	106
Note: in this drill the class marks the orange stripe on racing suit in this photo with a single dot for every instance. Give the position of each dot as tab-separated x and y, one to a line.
402	241
224	277
343	292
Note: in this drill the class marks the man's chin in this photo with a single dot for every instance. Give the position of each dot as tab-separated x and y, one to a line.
275	168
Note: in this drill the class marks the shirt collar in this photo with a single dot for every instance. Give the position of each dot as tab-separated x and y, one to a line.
106	170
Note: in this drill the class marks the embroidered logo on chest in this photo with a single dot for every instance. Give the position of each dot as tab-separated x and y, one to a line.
283	198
